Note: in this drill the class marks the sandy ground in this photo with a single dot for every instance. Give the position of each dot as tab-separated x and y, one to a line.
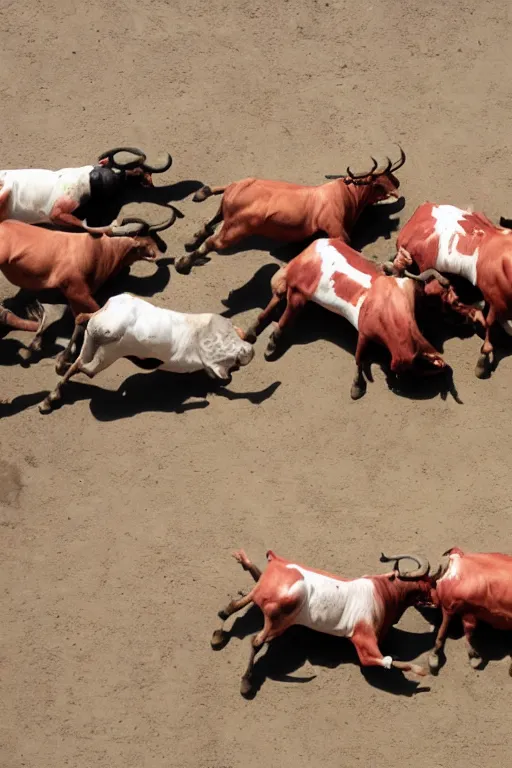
120	510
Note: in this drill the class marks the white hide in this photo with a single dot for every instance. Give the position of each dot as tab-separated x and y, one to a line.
448	229
34	192
128	325
333	261
333	606
452	572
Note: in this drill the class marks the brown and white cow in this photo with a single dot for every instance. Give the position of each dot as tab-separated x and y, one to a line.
361	609
463	243
290	212
477	587
381	307
40	196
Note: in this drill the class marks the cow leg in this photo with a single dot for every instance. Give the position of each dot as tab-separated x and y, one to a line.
81	302
257	643
295	301
49	314
232	607
358	388
93	359
225	238
263	319
247	564
207	231
469	623
483	365
433	659
365	643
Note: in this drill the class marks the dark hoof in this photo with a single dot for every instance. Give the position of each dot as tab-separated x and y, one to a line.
476	662
482	368
250	336
202	194
246	687
219	639
223	615
45	407
183	266
357	391
433	663
191	246
62	367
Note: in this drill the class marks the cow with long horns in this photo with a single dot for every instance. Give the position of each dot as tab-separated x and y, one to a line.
380	307
78	264
361	609
38	196
290	212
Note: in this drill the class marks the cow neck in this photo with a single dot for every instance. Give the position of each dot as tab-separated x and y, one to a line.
109	257
395	596
355	200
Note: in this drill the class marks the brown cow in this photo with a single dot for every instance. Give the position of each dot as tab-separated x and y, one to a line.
38	259
290	212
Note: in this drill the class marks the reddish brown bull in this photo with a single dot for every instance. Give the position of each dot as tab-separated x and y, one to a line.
78	265
290	212
477	587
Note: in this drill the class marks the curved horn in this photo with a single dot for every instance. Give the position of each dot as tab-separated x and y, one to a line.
362	175
420	572
109	154
385	170
442	567
399	162
161	168
427	276
145	227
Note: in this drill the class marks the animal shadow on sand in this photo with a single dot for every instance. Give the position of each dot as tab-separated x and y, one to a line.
492	644
300	645
157	391
98	215
124	282
315	323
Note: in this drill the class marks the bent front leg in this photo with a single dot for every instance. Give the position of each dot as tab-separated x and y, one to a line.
295	301
433	659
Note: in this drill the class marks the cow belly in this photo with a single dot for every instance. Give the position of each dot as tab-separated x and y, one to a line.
335	607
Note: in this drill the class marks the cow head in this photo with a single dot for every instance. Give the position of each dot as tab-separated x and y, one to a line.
136	168
143	249
381	182
417	582
376	184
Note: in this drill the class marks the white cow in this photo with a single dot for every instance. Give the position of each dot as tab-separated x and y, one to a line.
128	326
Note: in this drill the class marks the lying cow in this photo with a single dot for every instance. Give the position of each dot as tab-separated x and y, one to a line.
290	212
380	307
128	326
37	259
362	610
477	587
37	196
467	244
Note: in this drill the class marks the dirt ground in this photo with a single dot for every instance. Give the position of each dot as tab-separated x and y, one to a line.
119	511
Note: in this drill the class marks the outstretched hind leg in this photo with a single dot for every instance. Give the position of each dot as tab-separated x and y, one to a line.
219	635
207	231
358	388
257	642
223	239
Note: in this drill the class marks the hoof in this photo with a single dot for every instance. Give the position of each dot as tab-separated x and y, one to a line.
250	336
482	369
62	367
202	194
223	615
45	407
183	266
218	639
357	392
433	663
246	686
475	661
25	353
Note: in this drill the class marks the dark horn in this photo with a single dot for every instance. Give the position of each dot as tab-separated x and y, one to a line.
427	276
365	174
399	162
420	572
146	227
164	166
139	154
